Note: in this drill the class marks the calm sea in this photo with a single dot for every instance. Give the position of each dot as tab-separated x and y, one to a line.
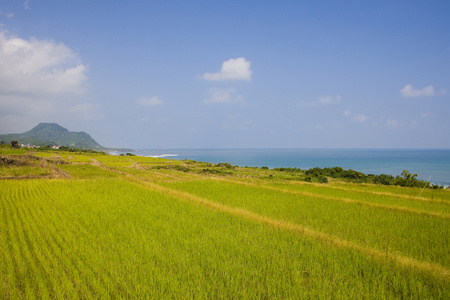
434	163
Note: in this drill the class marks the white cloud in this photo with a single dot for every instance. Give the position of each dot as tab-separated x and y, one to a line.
328	100
153	101
232	69
426	115
39	67
355	117
393	123
359	118
8	15
410	92
216	95
40	80
321	101
26	4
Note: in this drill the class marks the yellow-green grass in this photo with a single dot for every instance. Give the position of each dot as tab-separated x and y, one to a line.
112	158
434	201
9	151
46	154
431	194
23	165
420	236
83	158
109	238
131	227
18	171
87	171
153	160
114	164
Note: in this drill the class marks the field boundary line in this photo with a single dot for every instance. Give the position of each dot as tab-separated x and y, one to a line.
394	195
412	210
166	175
134	165
344	200
432	268
440	201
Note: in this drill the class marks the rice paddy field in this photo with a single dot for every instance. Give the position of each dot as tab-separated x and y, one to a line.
88	225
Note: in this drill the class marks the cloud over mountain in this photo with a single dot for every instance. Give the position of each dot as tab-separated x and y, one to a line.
39	67
40	78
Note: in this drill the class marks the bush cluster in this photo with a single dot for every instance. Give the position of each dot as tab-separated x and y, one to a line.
226	166
321	175
68	149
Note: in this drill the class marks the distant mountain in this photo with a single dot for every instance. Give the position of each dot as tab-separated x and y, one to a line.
52	134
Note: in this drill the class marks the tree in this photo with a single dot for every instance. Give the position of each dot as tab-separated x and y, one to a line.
408	179
322	179
15	145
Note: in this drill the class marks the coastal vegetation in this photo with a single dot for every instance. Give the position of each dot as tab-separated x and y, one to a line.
79	224
321	175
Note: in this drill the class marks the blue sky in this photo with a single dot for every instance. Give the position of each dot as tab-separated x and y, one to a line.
230	74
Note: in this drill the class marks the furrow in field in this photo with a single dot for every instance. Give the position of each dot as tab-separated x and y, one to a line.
25	271
44	255
357	190
366	191
9	264
435	269
41	261
416	198
88	279
166	175
69	272
399	207
345	200
100	276
54	264
13	276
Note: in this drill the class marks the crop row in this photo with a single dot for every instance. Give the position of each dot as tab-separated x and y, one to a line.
419	236
108	238
363	194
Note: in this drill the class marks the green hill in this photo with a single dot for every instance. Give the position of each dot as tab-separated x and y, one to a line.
52	134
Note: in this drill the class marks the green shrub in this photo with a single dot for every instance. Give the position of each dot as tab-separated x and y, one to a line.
225	166
322	179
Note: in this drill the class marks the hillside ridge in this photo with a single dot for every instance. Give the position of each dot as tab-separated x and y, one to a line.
53	134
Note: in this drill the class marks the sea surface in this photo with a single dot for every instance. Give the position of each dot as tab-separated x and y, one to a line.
428	164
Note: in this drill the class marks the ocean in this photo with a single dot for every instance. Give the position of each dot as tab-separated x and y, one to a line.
433	164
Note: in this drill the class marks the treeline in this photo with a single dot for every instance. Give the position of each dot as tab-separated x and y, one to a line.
321	175
68	149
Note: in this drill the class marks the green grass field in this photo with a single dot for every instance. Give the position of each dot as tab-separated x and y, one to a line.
99	226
